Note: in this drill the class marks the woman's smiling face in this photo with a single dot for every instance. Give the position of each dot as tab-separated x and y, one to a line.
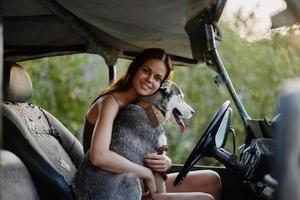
149	77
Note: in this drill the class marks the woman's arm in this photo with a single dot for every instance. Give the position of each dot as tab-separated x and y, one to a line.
100	154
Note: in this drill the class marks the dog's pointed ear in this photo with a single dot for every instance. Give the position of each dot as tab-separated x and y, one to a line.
166	86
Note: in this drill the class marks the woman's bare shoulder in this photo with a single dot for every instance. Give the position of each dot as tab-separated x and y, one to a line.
103	102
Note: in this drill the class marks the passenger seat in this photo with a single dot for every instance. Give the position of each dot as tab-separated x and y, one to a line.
49	151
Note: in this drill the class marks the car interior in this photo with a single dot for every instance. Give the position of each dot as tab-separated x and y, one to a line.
46	152
14	174
40	156
49	151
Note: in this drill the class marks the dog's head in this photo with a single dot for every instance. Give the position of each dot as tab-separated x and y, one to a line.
169	99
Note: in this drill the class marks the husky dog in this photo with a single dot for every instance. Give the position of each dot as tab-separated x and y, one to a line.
137	130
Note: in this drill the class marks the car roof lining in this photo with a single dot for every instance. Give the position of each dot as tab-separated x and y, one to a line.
112	29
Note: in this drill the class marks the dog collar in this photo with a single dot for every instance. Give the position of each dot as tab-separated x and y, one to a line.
154	114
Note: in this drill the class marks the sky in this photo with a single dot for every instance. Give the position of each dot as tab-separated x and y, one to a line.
263	10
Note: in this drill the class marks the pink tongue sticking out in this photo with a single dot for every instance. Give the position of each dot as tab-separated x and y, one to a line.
181	126
179	121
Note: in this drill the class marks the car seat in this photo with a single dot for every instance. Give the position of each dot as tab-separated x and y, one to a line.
49	151
15	181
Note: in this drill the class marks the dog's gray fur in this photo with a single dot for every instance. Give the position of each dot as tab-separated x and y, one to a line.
132	137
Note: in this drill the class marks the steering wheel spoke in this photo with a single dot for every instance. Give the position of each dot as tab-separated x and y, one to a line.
205	146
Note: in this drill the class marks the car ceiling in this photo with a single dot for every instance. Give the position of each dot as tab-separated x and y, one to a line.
111	28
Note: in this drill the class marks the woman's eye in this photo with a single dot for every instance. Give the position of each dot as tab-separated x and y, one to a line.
145	70
159	79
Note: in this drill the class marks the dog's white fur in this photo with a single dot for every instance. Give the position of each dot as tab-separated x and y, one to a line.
132	137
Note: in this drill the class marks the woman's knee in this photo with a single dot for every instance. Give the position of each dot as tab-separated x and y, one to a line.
208	181
183	196
214	184
208	177
204	196
215	179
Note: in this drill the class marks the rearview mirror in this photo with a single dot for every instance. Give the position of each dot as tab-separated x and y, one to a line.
224	128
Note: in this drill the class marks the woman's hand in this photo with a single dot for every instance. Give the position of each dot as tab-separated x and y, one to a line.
150	181
158	163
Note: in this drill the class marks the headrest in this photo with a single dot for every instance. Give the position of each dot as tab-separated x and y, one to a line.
17	86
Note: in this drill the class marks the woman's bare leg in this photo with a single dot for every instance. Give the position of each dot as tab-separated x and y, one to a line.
204	181
182	196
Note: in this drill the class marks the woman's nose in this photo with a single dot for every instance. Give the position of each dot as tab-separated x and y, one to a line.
149	78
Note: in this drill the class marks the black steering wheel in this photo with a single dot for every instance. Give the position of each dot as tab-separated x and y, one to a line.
205	145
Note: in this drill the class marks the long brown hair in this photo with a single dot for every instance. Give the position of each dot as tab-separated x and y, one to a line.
124	83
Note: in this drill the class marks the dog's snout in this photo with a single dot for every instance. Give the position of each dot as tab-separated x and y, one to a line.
192	110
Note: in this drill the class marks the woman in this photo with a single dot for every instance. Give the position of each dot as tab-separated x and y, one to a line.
144	77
